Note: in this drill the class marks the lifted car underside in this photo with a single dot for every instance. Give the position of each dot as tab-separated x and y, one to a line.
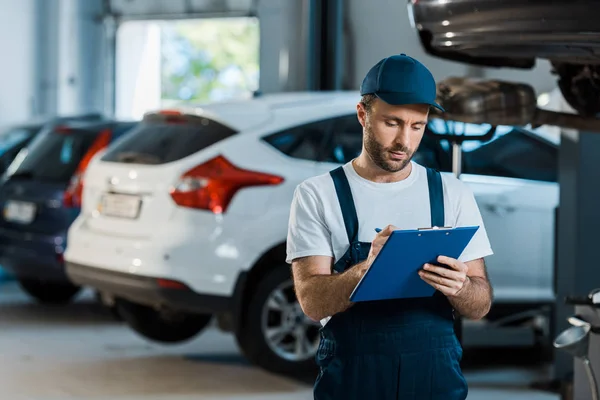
514	33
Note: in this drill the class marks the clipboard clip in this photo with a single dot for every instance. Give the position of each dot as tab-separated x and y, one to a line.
435	228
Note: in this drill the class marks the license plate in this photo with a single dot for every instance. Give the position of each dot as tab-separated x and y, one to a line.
120	205
19	211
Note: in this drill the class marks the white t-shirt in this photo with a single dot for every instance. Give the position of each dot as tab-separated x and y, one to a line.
316	225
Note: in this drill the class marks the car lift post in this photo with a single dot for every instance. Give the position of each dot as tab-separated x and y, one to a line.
456	170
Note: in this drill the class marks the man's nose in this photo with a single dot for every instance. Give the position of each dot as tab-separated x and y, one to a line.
403	138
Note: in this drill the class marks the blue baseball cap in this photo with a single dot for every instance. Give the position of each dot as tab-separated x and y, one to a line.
400	79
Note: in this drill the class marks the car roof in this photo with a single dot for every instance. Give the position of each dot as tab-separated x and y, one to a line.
93	125
258	111
250	113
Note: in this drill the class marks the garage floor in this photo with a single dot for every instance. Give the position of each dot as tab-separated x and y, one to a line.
80	352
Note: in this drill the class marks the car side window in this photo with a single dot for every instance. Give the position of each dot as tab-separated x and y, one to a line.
121	129
304	142
345	142
515	154
431	154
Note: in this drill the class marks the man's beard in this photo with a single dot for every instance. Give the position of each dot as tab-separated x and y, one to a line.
378	153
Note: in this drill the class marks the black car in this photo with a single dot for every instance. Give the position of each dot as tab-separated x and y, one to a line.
514	33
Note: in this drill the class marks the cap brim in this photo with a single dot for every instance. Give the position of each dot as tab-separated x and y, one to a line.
399	99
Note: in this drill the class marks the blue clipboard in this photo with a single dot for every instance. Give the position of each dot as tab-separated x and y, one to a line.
394	273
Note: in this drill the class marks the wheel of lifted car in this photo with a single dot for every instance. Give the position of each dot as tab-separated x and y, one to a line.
275	333
161	325
49	292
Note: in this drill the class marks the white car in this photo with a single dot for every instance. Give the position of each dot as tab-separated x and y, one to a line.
185	218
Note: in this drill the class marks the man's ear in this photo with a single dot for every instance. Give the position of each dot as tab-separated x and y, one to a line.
361	112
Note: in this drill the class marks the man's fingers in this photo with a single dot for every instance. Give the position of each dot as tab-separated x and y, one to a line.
440	283
443	271
452	263
388	230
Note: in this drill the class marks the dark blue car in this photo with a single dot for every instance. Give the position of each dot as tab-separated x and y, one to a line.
40	197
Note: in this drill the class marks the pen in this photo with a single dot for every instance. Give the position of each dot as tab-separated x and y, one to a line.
377	230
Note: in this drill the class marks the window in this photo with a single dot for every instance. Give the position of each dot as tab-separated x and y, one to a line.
163	142
304	142
121	129
162	64
346	140
15	137
53	156
12	141
514	154
432	155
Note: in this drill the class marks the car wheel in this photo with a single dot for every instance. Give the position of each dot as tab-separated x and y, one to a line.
49	292
162	326
580	86
275	334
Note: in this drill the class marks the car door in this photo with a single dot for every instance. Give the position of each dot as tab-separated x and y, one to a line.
514	179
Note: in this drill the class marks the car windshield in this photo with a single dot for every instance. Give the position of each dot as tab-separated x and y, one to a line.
161	142
54	156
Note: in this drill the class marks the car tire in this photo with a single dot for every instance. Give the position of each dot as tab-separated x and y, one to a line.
161	326
49	292
276	288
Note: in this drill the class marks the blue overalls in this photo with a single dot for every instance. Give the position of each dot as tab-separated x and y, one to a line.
390	349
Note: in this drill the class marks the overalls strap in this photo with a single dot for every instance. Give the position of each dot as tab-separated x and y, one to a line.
436	197
344	195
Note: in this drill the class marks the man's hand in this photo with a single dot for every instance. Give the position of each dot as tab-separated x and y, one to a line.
377	245
450	280
466	285
322	294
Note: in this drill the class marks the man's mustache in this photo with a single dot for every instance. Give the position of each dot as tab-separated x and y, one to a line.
399	149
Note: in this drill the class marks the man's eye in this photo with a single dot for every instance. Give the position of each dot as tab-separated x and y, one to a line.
390	124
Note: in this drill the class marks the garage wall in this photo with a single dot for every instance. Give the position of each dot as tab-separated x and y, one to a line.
17	68
69	57
539	77
379	28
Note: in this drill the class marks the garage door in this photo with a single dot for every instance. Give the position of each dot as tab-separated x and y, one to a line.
161	9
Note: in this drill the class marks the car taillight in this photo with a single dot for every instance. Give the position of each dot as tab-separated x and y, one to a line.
72	197
73	193
170	284
212	185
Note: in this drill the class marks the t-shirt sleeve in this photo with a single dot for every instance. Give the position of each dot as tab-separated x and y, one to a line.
468	214
308	234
